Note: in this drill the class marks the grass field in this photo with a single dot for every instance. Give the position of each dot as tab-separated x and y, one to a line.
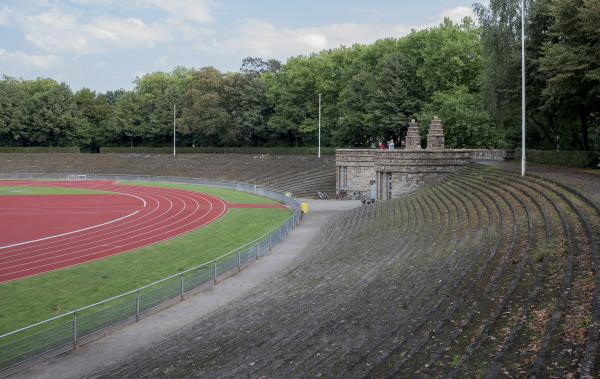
36	298
30	191
229	196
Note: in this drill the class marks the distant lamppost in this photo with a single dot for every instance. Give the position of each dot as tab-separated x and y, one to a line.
174	128
319	153
523	87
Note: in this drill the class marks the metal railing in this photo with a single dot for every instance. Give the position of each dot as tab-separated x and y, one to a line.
64	332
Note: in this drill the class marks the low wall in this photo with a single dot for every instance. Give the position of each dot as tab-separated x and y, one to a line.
395	172
491	154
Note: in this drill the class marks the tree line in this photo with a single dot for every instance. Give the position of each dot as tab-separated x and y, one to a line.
467	74
563	71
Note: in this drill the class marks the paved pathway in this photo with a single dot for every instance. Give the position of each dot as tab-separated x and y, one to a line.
116	347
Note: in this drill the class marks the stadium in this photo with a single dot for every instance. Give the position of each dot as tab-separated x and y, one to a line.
369	199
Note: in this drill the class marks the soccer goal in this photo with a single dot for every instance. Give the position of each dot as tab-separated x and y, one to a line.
76	177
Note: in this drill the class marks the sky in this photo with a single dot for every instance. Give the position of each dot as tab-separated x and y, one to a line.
105	44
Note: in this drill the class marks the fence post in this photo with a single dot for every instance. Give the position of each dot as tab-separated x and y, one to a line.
215	273
181	287
256	253
74	330
239	261
270	240
137	306
257	247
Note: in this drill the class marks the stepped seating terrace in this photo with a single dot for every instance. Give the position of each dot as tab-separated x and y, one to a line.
301	175
484	274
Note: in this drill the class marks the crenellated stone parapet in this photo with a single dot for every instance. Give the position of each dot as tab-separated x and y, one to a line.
397	172
435	136
413	137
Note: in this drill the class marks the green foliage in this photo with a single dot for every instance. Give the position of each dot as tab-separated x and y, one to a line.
369	93
51	114
38	149
563	69
218	150
569	62
582	159
12	111
466	123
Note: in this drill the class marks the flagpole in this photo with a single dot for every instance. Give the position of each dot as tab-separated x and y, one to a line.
523	88
319	125
174	129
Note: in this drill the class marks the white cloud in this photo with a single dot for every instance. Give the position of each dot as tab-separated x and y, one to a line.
19	59
261	38
192	10
59	28
5	13
60	34
57	31
459	13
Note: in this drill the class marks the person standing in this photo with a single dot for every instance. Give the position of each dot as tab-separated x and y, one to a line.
373	192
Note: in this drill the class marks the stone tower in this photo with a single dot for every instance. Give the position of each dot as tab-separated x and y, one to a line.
435	137
413	138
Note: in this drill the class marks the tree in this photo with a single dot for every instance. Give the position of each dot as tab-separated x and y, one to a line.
128	127
13	98
294	93
255	67
466	122
569	62
397	98
51	114
355	118
97	118
205	115
500	24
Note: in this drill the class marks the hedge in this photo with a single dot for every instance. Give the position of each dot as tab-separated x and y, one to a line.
221	150
581	159
39	149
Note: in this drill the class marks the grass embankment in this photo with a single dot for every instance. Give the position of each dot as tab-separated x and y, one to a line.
36	298
39	191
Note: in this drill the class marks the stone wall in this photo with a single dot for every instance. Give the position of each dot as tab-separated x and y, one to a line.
360	169
491	154
406	169
411	169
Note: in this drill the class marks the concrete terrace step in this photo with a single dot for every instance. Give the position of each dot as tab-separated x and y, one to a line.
459	279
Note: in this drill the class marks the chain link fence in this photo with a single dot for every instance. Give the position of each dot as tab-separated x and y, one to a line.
62	333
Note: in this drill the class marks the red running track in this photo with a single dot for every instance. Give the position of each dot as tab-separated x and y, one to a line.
45	233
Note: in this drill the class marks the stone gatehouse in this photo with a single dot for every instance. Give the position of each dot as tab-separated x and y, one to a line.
397	172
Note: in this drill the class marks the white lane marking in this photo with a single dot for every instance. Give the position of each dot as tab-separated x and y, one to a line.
83	229
203	197
76	239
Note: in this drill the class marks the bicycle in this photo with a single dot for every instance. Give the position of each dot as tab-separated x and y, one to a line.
322	196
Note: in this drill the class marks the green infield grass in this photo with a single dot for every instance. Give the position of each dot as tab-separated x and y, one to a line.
232	197
36	298
33	190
